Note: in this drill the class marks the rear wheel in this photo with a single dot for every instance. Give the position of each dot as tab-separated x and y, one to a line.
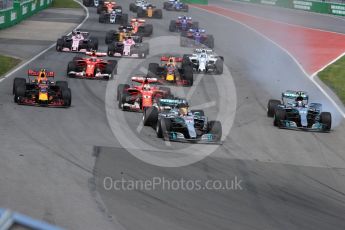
158	13
66	96
19	92
172	26
163	126
326	119
141	13
148	29
62	85
271	107
59	45
71	67
219	66
17	82
188	74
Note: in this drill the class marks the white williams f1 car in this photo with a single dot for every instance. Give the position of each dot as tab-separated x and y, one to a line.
204	61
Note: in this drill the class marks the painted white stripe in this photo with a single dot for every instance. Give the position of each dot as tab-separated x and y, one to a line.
45	50
340	110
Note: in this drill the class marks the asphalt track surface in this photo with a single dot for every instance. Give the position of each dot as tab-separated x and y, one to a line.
290	179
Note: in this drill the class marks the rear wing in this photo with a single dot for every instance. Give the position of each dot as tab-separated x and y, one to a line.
96	54
171	102
188	18
145	80
209	51
194	30
167	58
34	73
138	20
291	94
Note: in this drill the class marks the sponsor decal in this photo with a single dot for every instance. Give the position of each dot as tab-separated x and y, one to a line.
2	19
336	9
268	2
302	5
13	15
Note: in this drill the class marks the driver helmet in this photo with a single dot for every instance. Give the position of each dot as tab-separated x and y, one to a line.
146	87
183	108
299	101
93	59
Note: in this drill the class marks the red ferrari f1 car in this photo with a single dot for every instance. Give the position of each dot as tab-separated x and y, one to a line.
92	68
143	95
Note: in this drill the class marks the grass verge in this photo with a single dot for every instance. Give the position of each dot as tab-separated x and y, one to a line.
334	77
65	4
7	63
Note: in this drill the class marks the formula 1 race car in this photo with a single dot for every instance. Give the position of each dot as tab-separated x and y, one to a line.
175	5
122	34
183	23
95	3
149	11
138	97
41	91
294	112
181	124
140	28
128	48
196	38
107	7
204	61
172	71
114	17
92	68
138	4
78	41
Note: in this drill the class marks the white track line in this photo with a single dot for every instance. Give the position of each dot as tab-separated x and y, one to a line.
45	50
340	110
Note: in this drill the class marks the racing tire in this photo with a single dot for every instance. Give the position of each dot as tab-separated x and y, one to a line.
215	128
172	26
87	3
271	107
17	82
153	70
110	68
66	96
166	5
148	30
209	42
71	67
121	88
163	126
188	74
62	85
114	66
158	14
123	99
150	116
279	115
19	92
59	45
185	60
99	8
133	7
199	111
109	37
326	119
111	50
219	66
141	13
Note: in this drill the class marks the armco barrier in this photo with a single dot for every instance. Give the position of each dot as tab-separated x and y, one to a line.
20	11
203	2
318	7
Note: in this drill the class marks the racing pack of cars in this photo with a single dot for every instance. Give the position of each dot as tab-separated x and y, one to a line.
170	116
